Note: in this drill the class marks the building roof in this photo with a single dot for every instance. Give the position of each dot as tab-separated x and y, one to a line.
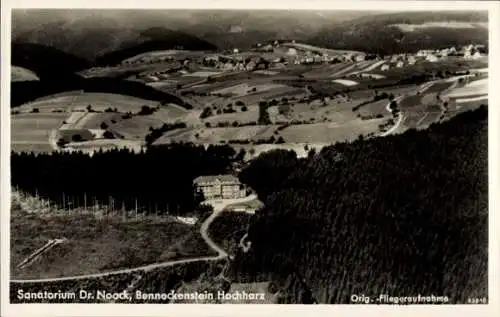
214	178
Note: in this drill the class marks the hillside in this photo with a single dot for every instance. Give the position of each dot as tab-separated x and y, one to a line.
92	33
45	61
359	34
22	74
402	215
157	39
25	91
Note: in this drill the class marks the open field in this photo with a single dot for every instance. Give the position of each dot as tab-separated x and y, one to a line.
135	128
375	108
22	74
31	131
79	101
251	115
316	49
330	132
217	135
334	111
158	56
245	89
476	87
93	120
97	245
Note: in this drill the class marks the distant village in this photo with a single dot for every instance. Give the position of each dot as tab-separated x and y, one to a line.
276	55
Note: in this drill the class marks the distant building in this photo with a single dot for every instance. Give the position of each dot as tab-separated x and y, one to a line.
431	58
250	65
291	51
385	67
411	60
358	58
220	187
268	48
424	53
476	55
399	64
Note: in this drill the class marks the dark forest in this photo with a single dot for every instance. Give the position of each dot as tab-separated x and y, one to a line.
402	215
159	179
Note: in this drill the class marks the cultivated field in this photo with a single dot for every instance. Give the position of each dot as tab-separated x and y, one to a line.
245	89
473	88
31	131
96	245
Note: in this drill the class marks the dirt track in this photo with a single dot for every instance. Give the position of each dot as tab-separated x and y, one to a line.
221	254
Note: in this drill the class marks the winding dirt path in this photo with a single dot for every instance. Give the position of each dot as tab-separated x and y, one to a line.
218	207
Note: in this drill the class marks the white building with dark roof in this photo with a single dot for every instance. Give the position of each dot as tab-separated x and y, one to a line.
220	187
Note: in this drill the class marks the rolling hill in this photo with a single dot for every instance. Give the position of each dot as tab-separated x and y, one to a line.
384	34
157	39
89	34
45	61
22	74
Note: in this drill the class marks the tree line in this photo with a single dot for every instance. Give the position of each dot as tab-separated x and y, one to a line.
403	214
156	180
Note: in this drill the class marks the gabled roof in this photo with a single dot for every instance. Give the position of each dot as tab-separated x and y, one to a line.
214	178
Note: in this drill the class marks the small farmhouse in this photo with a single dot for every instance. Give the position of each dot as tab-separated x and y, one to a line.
220	187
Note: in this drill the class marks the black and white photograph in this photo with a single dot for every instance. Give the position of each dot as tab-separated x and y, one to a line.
248	156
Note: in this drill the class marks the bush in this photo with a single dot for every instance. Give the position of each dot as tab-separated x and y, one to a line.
145	110
108	135
207	112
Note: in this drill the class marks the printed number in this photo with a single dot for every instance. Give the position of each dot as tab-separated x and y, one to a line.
477	300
